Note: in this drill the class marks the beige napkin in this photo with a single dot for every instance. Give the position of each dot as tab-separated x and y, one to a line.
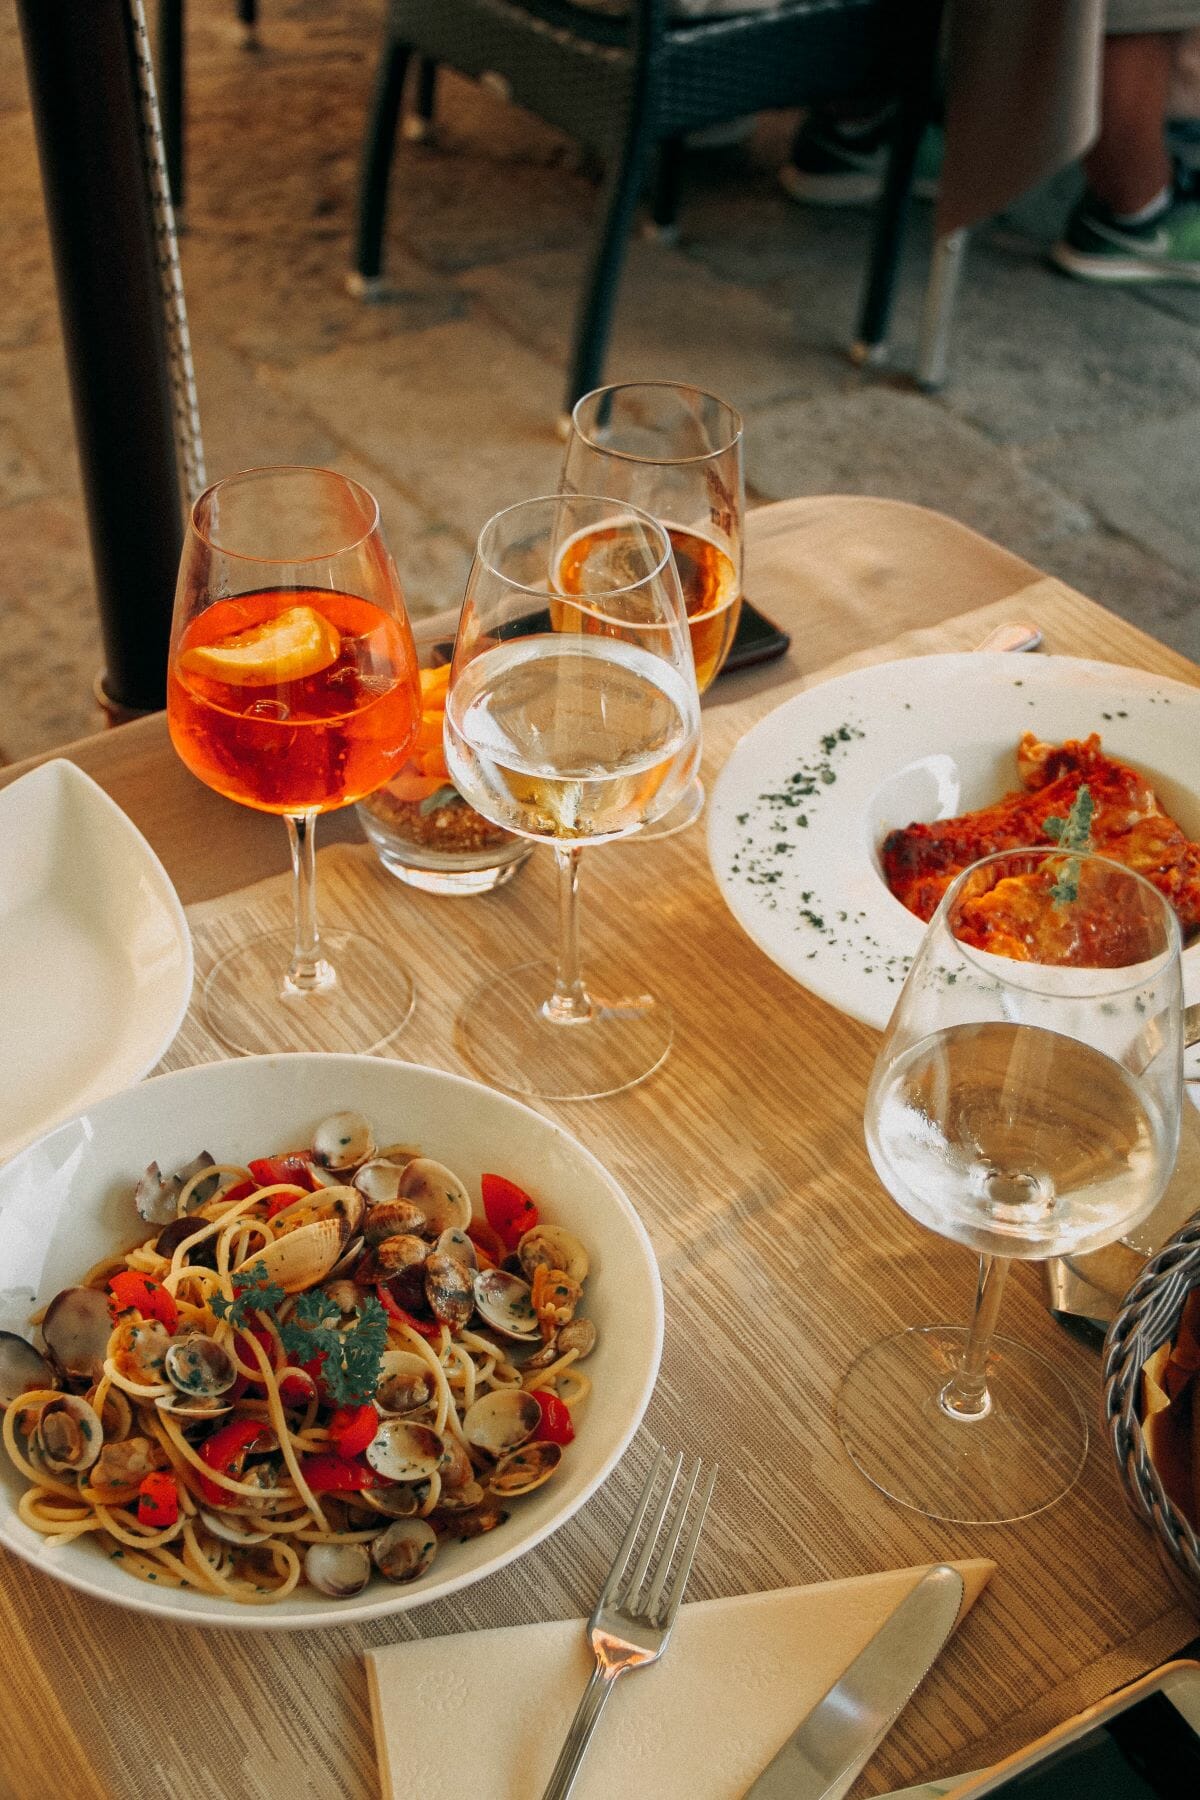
734	1684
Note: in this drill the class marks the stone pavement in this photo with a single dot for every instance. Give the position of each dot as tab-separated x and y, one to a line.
1069	431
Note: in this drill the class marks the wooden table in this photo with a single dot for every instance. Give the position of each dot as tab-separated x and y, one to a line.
745	1158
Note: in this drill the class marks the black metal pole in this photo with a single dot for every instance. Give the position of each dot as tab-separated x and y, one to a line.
80	63
171	99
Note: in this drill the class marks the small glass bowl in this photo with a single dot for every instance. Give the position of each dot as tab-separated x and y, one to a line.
440	843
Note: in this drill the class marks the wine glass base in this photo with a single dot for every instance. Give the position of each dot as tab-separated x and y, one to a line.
506	1035
363	1002
686	810
1021	1457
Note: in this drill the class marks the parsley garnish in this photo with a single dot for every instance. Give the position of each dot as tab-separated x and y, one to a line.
349	1357
1074	833
260	1295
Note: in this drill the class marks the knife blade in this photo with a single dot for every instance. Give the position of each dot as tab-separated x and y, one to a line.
845	1727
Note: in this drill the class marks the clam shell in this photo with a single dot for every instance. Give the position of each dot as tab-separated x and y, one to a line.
455	1242
342	1203
155	1196
22	1368
341	1570
449	1289
404	1451
395	1254
404	1384
199	1367
554	1248
506	1304
502	1420
76	1329
232	1529
300	1259
525	1468
379	1181
187	1406
405	1550
393	1218
69	1435
343	1140
438	1192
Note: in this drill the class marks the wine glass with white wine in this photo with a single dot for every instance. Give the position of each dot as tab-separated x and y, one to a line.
572	718
1025	1103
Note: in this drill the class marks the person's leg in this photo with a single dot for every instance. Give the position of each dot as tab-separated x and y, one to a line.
1128	167
1139	220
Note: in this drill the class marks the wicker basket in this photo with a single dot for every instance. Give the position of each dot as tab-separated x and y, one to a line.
1148	1317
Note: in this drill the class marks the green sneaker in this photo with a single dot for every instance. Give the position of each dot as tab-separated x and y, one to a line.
1097	247
832	165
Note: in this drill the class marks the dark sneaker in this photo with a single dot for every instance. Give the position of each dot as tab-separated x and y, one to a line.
832	165
1097	247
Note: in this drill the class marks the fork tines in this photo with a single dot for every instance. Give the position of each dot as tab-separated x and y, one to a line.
661	1600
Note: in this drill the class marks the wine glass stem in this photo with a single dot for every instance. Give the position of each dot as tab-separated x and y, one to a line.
308	968
569	1004
965	1395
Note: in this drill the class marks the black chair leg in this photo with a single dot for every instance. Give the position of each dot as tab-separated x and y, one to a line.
418	126
247	12
913	114
668	186
378	150
622	190
170	93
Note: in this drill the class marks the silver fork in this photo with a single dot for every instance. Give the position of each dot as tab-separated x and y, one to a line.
629	1629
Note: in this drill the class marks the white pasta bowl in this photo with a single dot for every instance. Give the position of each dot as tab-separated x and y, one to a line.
66	1202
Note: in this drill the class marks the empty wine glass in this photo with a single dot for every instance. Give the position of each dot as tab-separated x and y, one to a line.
1025	1102
292	687
675	452
572	717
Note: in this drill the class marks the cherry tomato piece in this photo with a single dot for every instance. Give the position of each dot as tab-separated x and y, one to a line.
556	1426
352	1428
428	1328
158	1500
509	1209
485	1238
333	1475
294	1166
241	1190
131	1292
225	1451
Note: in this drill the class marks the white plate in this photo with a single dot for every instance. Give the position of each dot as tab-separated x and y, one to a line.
66	1201
808	795
95	953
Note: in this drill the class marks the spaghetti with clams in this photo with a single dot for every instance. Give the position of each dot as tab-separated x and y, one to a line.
312	1370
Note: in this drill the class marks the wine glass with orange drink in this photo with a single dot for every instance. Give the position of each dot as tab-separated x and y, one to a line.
675	452
292	688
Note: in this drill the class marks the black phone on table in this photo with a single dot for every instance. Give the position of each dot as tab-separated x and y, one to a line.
756	640
1142	1743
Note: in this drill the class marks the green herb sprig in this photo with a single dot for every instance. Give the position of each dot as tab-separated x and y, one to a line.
1073	834
255	1292
349	1356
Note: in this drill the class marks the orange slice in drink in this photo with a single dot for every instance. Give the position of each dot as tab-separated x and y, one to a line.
295	644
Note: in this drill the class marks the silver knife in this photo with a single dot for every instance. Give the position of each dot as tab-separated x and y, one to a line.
829	1747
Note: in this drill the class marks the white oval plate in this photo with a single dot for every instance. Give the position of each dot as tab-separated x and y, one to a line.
799	810
66	1201
95	953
